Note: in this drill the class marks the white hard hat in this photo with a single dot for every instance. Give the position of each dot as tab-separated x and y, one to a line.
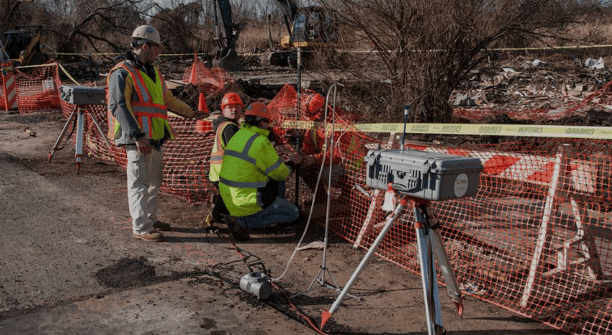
148	33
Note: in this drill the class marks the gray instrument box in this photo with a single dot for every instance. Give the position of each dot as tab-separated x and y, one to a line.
422	174
83	95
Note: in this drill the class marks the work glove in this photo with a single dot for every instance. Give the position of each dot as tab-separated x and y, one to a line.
273	138
295	158
308	161
200	115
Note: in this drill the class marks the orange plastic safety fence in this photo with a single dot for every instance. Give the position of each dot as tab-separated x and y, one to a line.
213	82
37	88
186	157
536	239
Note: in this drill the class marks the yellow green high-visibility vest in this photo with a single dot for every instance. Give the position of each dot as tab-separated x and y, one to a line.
249	162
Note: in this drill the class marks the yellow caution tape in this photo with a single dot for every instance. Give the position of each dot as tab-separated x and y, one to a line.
68	74
86	54
31	66
604	133
553	48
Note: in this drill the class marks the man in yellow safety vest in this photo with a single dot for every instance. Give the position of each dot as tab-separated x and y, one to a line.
249	177
224	126
138	104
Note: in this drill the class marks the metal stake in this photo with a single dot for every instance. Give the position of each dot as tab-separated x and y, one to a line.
320	276
297	118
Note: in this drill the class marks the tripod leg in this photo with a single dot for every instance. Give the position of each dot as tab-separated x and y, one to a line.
102	135
79	142
61	136
327	314
452	286
428	273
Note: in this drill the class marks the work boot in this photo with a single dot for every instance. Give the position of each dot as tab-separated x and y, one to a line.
153	236
297	222
162	226
209	224
238	231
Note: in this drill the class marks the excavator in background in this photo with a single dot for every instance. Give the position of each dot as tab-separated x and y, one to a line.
311	28
226	36
24	45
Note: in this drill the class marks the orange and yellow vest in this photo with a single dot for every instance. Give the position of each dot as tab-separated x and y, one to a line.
148	106
216	156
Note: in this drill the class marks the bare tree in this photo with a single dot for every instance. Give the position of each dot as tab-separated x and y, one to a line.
101	23
179	26
427	46
14	12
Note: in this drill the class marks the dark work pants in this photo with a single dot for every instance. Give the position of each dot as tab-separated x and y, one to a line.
219	208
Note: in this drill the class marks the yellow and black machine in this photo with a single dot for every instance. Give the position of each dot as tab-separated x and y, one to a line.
24	45
311	28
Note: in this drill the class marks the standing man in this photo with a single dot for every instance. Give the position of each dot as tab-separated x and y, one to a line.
249	177
138	104
224	126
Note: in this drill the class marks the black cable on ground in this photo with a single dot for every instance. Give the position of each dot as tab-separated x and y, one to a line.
302	316
74	126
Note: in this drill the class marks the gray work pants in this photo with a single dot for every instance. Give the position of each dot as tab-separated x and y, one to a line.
144	178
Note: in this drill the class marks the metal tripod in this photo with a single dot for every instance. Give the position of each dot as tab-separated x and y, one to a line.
429	243
79	113
320	276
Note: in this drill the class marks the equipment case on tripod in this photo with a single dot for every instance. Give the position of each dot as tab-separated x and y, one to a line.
423	174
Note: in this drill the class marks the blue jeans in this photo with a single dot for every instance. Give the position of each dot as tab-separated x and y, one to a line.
281	211
281	189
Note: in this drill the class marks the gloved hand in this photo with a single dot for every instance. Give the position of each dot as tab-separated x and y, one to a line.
295	158
143	145
275	139
308	160
200	115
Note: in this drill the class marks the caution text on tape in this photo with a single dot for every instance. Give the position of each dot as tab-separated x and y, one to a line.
467	129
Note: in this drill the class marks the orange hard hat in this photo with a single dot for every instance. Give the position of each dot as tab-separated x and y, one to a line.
312	104
231	99
258	109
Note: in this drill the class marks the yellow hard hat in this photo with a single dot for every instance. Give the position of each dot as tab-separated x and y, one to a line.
148	33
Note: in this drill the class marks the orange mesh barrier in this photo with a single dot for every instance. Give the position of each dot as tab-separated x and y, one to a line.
37	88
535	240
186	157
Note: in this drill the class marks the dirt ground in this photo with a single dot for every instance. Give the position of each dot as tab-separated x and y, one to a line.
69	264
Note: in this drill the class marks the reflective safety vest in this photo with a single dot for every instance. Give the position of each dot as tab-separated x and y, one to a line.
249	162
148	106
216	156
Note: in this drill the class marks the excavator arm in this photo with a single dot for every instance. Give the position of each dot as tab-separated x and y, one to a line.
227	33
289	9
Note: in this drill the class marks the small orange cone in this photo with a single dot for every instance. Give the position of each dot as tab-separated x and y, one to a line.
202	103
192	78
202	126
325	315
